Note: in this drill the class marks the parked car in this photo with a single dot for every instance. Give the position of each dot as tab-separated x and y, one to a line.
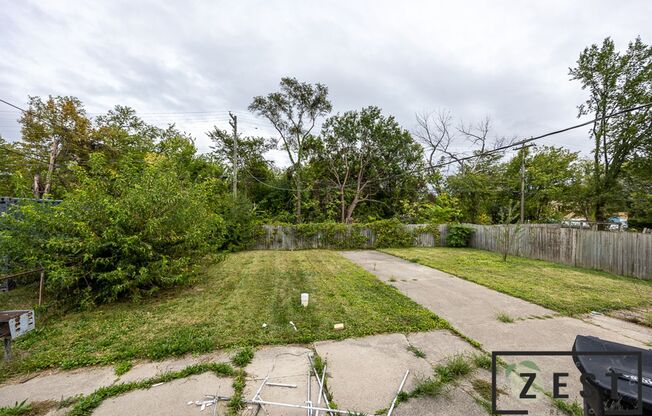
617	224
575	223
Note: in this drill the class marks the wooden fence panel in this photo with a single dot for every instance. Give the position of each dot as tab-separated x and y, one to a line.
280	237
624	253
628	254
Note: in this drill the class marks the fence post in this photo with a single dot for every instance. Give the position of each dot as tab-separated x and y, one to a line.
40	287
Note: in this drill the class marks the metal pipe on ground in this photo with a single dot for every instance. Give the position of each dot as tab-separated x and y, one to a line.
321	386
400	389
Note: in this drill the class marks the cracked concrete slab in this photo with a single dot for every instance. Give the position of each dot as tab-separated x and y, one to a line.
366	372
169	399
631	330
282	364
452	402
57	386
149	369
440	345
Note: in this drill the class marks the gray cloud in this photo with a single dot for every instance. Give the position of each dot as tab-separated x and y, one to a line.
506	59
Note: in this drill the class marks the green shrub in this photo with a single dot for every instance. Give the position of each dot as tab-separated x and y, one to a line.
388	233
458	235
391	233
117	235
240	222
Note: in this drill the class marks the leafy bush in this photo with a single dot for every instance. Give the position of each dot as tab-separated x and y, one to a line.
240	221
391	233
387	233
116	236
458	235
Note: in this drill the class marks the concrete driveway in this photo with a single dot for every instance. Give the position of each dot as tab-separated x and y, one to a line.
473	310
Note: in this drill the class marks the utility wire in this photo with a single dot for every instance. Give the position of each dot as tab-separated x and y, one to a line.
456	160
496	150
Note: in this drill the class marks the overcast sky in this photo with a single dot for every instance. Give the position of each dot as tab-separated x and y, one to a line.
191	62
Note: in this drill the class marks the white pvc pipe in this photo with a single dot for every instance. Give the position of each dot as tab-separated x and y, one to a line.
400	388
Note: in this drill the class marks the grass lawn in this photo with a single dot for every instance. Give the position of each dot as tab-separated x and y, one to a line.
227	308
565	289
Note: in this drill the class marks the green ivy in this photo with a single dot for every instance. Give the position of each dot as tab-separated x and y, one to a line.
458	235
386	233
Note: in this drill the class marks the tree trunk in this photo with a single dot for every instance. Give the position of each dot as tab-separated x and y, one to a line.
298	197
54	150
342	206
36	186
350	209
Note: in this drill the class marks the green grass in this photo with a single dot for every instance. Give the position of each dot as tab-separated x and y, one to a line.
445	374
19	409
647	319
243	357
504	318
565	289
416	351
227	308
22	297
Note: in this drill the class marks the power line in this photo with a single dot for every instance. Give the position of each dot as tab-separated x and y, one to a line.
496	150
12	105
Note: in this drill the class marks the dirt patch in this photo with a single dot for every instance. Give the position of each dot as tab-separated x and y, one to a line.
641	316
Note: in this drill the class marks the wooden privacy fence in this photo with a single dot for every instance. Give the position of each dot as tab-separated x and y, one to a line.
282	237
628	254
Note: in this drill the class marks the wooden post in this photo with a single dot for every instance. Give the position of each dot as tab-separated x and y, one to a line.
40	287
7	348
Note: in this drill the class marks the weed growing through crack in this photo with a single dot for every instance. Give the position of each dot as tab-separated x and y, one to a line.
319	364
571	409
416	351
456	367
503	317
87	404
121	367
243	356
482	361
237	403
19	409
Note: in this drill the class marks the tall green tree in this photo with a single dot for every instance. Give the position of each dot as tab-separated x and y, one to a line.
56	131
365	155
615	81
294	111
551	182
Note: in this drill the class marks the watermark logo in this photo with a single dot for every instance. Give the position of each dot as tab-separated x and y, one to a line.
603	397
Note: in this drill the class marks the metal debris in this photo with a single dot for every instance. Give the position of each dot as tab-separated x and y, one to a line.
400	389
291	386
311	409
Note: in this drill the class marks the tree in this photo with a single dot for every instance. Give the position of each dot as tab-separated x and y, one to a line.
251	162
615	81
471	181
293	111
12	167
551	182
365	154
56	130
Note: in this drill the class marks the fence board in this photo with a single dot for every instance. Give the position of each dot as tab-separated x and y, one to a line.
628	254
